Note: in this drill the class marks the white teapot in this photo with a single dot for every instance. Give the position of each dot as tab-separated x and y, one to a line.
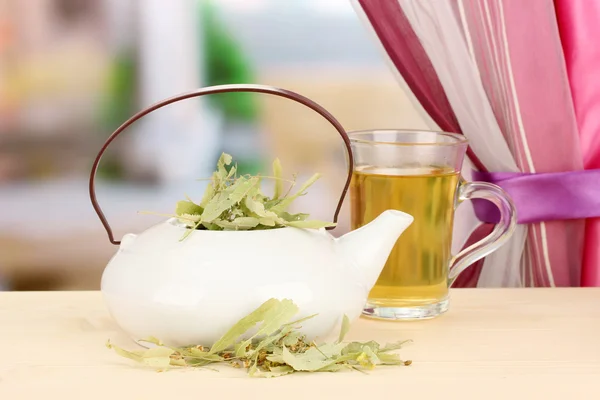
186	292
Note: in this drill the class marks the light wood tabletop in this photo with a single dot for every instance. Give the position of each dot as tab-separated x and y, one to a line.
492	344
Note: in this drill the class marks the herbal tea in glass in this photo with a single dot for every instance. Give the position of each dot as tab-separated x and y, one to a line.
418	172
416	271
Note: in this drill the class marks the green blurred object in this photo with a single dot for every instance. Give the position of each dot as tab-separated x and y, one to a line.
119	105
252	166
121	91
224	63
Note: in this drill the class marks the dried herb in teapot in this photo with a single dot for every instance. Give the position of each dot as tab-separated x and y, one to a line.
276	348
232	202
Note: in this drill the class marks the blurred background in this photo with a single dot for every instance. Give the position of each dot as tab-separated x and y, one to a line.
71	71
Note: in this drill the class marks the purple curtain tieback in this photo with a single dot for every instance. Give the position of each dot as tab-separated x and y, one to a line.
544	196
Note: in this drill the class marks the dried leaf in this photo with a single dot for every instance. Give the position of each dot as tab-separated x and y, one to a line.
193	352
277	173
236	212
274	318
357	347
216	206
159	351
269	221
311	360
209	193
276	348
230	202
227	198
158	357
256	206
242	326
238	224
197	362
363	360
231	173
335	367
267	344
212	227
285	203
330	350
390	359
132	355
152	340
272	373
185	207
293	217
394	346
372	358
292	338
277	358
345	328
241	188
179	362
223	161
189	220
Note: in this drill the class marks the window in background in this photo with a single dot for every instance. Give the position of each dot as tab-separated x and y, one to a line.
71	71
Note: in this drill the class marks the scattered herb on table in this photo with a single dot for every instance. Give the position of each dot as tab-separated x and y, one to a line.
277	348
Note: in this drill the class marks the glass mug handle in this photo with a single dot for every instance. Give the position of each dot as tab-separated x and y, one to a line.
499	235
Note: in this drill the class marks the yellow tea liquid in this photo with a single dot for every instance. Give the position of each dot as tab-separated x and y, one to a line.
416	271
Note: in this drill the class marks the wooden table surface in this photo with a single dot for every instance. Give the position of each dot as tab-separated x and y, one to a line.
493	343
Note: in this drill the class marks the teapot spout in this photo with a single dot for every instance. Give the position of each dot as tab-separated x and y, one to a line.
368	247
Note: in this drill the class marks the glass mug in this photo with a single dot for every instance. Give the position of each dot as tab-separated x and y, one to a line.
418	172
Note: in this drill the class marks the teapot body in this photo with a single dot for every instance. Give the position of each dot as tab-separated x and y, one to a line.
192	291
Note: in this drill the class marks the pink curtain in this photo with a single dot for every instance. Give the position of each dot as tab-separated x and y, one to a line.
495	70
579	23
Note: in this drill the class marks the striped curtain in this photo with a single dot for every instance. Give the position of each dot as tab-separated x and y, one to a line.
510	75
579	23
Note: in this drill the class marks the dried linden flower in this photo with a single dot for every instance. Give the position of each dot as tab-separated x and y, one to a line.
281	349
233	203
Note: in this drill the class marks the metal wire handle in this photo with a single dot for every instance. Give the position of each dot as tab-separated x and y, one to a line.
214	90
